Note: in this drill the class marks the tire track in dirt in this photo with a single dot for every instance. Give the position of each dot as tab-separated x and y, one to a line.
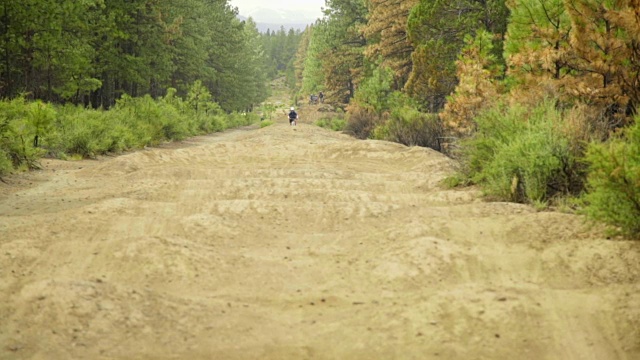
301	243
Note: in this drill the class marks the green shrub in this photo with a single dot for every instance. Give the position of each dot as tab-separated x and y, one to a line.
266	123
30	130
613	182
520	154
40	117
374	92
361	122
335	124
406	125
5	164
455	180
21	127
79	133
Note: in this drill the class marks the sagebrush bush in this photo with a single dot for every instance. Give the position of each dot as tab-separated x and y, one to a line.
406	125
613	182
361	122
335	124
519	154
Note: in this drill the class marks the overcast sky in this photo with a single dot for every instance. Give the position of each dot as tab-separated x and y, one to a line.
306	8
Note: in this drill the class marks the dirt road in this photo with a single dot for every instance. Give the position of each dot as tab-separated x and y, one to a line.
283	243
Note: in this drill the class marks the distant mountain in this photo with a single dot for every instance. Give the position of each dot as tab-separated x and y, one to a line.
263	27
275	27
273	19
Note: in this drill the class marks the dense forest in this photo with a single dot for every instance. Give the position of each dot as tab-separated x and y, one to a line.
280	48
536	99
83	78
438	52
93	51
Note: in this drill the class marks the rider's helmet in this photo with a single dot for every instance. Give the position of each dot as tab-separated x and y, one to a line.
292	108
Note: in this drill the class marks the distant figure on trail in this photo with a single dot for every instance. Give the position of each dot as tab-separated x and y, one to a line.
293	117
321	95
313	99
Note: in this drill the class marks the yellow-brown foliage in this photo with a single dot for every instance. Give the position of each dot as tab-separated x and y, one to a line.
476	89
342	67
387	25
579	51
431	79
602	51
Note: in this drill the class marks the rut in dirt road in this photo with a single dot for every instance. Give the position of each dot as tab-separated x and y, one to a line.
300	243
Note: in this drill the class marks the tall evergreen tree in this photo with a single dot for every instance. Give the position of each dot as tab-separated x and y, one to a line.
478	72
437	29
341	47
386	32
94	51
605	40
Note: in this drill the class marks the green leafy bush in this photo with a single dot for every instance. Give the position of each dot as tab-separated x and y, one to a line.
613	182
40	117
519	154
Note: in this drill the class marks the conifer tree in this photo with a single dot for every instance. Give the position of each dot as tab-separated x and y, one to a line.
301	55
537	48
341	47
94	51
537	39
386	31
313	77
604	40
437	29
478	72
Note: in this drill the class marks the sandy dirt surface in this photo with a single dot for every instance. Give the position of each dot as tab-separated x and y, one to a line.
283	243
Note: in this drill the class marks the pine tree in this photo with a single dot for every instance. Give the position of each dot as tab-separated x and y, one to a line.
537	39
437	29
478	72
94	51
604	40
340	47
301	55
537	49
386	30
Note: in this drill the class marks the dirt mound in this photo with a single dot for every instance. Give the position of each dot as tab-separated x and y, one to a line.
297	242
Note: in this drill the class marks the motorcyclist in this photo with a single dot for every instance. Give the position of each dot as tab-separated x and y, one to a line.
293	117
